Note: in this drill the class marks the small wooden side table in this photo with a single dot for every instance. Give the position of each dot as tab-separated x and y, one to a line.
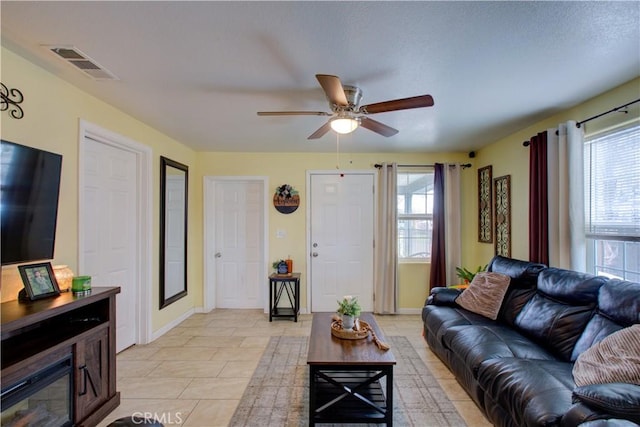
284	283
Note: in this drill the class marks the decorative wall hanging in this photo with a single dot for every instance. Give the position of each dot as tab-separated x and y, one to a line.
485	208
11	97
502	189
286	199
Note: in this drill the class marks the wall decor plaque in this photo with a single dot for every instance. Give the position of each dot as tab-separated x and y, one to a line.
286	199
502	190
485	206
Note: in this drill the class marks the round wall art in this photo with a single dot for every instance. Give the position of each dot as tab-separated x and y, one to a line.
286	199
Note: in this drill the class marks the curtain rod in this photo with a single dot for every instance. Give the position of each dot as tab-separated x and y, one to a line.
464	166
613	110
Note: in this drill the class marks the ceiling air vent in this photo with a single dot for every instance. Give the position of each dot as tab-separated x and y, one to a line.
74	56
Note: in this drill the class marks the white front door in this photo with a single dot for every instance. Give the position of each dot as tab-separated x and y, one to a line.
341	208
110	229
236	251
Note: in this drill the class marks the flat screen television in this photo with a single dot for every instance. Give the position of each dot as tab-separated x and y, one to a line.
29	190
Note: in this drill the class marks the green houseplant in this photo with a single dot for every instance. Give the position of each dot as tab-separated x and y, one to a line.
349	308
468	275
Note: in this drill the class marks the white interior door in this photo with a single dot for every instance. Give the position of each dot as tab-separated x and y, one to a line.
238	243
341	237
110	229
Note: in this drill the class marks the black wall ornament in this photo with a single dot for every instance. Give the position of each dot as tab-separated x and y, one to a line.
502	227
9	100
286	199
485	207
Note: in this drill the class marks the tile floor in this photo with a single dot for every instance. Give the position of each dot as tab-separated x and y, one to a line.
195	375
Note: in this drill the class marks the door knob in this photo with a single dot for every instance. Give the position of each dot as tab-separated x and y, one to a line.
314	254
218	255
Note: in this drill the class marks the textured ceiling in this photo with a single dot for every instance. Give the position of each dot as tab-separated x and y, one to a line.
199	71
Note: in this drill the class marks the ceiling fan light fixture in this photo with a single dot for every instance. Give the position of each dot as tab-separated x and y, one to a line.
344	125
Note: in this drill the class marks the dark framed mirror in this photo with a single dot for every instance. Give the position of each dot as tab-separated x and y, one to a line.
174	185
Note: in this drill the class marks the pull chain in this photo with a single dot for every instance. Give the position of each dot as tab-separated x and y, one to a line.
337	150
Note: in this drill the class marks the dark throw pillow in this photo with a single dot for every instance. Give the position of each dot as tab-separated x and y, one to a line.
618	399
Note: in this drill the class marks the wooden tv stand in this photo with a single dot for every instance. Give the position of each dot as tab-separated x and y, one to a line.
36	333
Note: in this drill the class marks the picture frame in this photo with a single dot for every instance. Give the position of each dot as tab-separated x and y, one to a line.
485	205
502	222
39	281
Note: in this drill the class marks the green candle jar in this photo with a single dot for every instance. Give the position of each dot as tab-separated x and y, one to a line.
81	285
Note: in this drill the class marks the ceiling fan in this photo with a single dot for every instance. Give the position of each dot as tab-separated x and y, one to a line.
346	113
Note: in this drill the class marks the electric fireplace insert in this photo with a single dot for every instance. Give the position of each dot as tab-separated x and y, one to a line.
42	399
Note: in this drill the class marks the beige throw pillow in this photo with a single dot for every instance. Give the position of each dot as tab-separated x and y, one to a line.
615	359
485	294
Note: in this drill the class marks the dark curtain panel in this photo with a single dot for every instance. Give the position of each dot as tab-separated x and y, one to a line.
538	200
438	275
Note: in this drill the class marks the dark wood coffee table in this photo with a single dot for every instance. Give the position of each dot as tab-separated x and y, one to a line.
344	380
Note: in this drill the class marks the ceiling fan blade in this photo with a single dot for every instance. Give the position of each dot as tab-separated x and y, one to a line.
377	127
320	132
398	104
333	88
293	113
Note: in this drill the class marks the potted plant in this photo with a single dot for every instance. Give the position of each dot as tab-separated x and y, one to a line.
349	308
466	275
279	266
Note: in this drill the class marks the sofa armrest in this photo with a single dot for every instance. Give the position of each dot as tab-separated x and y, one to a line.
598	401
443	296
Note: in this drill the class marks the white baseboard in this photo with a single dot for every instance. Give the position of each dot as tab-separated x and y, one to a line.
166	328
409	311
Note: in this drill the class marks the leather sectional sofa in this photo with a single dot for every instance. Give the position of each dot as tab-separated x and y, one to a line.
518	368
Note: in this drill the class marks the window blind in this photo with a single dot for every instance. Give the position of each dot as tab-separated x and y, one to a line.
612	184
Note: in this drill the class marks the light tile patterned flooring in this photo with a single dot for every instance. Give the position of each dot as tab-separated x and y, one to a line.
195	375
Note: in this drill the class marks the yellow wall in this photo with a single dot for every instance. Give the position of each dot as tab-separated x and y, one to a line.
291	168
53	109
509	157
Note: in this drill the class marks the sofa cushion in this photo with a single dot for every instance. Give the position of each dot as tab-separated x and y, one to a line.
438	319
525	273
598	328
618	399
532	392
472	345
557	315
485	294
619	300
614	359
524	276
553	324
513	303
618	307
569	286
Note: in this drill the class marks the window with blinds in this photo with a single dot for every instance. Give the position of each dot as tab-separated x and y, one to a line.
612	202
415	215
